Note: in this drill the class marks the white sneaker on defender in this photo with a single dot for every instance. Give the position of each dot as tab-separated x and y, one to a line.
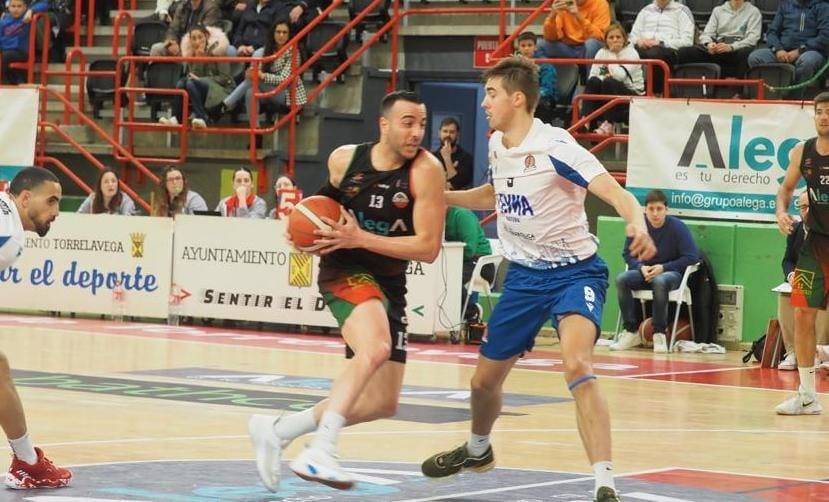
799	405
268	447
660	343
789	363
315	464
627	340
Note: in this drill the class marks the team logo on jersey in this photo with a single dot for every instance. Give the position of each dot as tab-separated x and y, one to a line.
529	163
400	200
351	190
300	270
519	205
138	244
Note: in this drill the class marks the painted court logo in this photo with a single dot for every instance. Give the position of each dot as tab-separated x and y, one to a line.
804	281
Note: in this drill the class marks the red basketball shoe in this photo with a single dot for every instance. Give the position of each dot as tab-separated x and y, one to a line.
43	474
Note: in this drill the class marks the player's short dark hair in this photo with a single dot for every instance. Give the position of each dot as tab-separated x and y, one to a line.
31	178
517	74
450	121
527	35
656	196
823	97
393	97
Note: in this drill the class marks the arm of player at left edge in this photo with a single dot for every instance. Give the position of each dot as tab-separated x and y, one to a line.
605	187
429	215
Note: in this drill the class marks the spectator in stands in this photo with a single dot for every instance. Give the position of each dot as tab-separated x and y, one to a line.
14	37
463	226
675	250
614	79
287	194
785	311
108	197
188	15
574	28
254	27
798	35
271	75
456	161
659	31
173	197
207	83
730	35
546	76
244	203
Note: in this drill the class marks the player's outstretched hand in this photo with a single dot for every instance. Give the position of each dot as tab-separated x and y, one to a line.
785	222
641	244
345	235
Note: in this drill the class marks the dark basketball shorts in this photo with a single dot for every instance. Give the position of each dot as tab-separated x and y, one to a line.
344	289
810	287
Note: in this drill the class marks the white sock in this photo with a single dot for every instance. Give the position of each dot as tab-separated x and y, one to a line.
807	381
24	449
327	432
292	426
604	476
477	445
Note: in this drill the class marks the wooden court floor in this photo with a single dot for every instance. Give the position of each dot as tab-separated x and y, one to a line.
150	412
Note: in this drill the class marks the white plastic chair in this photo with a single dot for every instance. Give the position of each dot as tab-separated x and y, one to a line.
478	284
680	295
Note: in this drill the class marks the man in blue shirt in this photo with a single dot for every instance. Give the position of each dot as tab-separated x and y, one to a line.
675	250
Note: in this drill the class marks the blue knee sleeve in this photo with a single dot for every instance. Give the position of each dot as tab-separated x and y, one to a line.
578	381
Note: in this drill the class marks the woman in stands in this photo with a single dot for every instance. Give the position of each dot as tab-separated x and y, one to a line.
207	82
108	197
270	76
174	197
614	79
244	203
287	194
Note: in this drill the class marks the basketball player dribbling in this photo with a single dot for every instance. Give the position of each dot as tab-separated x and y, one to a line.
31	205
539	177
392	191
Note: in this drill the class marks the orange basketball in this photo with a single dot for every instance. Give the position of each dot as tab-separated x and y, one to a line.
305	218
683	329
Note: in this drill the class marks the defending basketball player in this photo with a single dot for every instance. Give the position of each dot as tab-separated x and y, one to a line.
393	193
539	179
31	205
810	286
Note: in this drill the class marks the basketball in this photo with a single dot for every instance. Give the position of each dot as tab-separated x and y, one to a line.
306	218
646	330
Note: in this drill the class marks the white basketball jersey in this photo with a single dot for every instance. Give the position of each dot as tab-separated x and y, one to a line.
540	187
12	236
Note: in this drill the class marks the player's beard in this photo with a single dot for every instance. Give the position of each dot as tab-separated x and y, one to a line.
41	227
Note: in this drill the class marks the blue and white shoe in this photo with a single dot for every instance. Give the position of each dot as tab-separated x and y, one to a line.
315	464
268	447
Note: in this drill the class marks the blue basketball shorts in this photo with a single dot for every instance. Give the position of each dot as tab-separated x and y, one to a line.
532	296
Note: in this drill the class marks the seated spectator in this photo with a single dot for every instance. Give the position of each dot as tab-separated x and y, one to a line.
244	203
456	161
614	79
463	226
675	251
546	76
659	31
574	28
173	197
15	26
271	75
785	311
188	15
108	197
287	195
254	27
798	35
730	35
207	83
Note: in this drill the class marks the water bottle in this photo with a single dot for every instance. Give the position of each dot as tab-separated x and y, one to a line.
119	306
174	306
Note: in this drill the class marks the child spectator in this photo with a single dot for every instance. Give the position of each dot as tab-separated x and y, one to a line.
14	37
546	75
